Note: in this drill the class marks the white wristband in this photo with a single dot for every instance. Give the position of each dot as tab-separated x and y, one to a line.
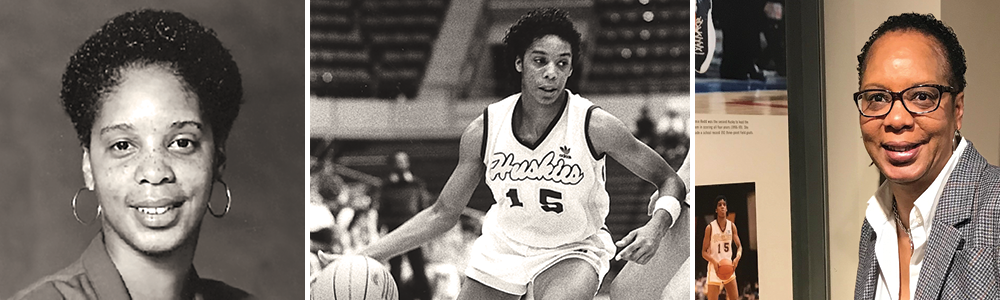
669	204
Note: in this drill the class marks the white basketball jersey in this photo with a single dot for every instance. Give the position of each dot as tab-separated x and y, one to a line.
722	240
552	192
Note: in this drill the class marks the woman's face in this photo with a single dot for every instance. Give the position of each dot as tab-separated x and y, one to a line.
545	68
721	208
150	161
910	148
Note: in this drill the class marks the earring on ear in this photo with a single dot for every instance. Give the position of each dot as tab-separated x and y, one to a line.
229	201
956	140
77	216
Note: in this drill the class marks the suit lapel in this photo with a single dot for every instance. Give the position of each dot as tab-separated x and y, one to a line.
953	211
865	283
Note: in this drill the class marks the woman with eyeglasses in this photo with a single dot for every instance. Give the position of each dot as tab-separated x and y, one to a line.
931	229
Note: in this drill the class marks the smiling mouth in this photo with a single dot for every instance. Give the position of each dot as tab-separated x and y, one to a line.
901	147
901	153
157	210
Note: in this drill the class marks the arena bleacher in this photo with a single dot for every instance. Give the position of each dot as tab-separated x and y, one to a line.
641	47
371	48
381	48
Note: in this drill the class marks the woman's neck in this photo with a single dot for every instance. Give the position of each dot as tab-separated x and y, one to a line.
904	200
536	116
905	196
152	276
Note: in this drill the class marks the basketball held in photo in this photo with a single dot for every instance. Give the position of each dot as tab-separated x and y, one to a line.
354	277
726	268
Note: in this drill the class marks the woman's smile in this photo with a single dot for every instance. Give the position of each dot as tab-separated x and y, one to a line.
160	213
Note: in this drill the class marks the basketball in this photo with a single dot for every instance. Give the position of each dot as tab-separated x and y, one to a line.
725	269
354	277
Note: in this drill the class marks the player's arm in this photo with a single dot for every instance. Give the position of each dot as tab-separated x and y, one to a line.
445	212
706	246
739	247
684	172
610	136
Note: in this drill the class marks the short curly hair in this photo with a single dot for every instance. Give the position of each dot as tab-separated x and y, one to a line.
928	25
535	25
153	38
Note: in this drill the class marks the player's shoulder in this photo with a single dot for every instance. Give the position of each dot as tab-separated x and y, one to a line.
473	140
496	111
601	121
503	104
476	125
473	132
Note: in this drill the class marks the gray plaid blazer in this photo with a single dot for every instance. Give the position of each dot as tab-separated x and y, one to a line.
961	259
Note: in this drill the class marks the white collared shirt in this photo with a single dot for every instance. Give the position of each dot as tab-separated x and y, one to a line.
880	216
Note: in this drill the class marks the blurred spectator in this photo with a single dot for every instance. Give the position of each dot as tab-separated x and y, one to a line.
323	235
673	140
667	134
403	195
363	225
645	128
325	183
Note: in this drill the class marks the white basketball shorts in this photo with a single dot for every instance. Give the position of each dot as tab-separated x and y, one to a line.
509	266
713	278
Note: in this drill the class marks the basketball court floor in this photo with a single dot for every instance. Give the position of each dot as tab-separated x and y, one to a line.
741	97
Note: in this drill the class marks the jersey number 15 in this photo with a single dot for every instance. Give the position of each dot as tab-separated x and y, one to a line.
543	198
726	247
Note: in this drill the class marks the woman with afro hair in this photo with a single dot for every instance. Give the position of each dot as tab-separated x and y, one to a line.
153	96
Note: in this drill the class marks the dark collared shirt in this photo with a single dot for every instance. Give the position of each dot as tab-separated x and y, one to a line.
94	276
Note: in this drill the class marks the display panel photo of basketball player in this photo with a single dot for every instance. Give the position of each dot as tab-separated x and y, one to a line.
727	223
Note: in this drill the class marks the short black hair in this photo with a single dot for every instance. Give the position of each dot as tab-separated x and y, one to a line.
928	25
721	198
535	25
153	38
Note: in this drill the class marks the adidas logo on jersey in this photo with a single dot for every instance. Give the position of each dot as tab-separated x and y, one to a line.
565	152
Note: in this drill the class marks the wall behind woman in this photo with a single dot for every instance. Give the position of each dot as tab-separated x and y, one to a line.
258	246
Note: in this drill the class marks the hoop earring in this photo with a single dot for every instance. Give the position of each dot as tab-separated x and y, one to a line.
229	201
77	216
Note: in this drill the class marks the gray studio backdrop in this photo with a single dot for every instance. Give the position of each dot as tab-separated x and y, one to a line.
258	246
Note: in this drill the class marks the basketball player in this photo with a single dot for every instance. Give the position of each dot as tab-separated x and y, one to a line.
542	152
718	239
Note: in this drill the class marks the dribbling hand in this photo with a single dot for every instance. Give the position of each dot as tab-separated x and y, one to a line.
326	258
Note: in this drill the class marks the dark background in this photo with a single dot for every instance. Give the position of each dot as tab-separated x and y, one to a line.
258	246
